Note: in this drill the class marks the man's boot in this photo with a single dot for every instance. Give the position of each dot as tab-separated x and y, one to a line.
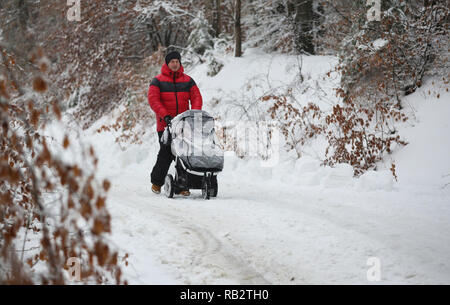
185	193
156	189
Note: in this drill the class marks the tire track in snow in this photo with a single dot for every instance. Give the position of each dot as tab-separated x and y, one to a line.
219	255
214	254
205	257
327	245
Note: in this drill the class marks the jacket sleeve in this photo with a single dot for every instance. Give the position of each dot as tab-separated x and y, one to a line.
154	99
195	96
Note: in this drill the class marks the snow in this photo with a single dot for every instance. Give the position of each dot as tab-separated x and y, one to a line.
379	43
376	180
257	72
296	222
428	141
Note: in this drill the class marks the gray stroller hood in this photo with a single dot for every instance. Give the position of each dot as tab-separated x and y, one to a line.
194	141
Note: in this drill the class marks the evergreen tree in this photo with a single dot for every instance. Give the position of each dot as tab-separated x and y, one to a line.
201	38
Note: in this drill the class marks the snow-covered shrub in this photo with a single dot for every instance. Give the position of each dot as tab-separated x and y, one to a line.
203	47
200	42
389	58
356	135
163	22
214	66
381	61
268	26
200	39
299	125
52	211
223	45
361	135
279	25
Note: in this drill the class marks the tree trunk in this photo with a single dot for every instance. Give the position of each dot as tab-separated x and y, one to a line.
23	13
304	25
237	29
290	7
216	18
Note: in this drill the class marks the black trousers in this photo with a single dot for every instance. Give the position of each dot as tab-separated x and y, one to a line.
163	162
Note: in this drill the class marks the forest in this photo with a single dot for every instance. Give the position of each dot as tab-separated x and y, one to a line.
87	59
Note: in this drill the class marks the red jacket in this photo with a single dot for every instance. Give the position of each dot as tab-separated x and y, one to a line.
169	94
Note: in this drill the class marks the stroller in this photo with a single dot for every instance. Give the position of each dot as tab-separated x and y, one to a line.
198	159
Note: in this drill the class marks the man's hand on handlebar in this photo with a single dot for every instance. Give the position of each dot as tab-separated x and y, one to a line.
168	119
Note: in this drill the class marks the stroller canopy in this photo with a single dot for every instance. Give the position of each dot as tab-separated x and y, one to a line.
194	141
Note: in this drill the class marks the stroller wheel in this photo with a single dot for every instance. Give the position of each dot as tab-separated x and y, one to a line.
168	186
214	187
206	188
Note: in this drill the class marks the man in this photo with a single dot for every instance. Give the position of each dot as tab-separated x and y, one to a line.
168	96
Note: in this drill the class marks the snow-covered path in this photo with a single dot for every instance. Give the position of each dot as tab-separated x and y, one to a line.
252	234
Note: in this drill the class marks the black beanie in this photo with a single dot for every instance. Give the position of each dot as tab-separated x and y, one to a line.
173	55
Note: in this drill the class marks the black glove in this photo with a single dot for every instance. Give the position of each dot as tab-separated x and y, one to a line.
167	119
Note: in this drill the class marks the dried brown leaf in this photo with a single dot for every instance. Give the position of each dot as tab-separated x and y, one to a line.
39	84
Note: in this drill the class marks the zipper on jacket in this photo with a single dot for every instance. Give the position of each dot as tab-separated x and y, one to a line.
175	86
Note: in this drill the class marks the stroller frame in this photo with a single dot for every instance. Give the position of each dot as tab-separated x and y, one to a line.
187	179
190	175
